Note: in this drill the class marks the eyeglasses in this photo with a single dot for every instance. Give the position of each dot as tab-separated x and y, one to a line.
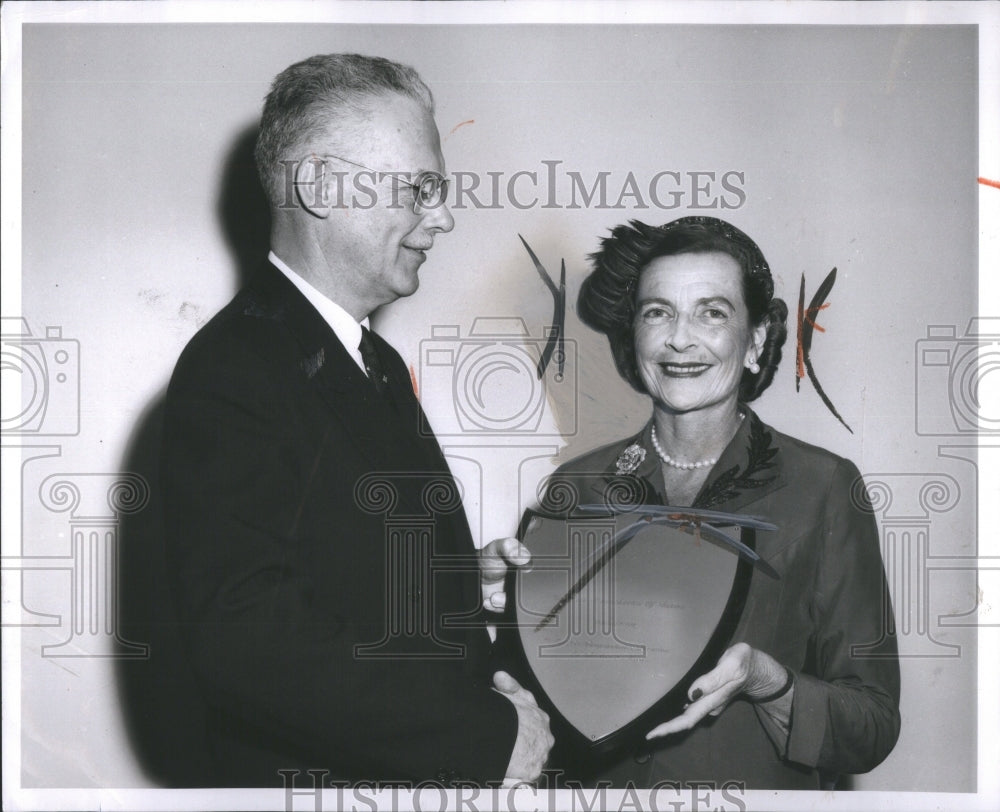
430	189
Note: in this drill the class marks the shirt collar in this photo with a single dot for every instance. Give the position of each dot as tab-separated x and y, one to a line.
347	330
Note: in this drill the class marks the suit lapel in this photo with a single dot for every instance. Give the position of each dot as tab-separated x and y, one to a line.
407	413
383	432
415	427
326	365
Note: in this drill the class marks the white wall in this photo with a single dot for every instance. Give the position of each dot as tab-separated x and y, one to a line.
858	148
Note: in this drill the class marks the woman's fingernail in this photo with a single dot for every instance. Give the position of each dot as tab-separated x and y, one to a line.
696	694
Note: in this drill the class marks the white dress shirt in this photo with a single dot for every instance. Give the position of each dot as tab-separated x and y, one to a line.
342	323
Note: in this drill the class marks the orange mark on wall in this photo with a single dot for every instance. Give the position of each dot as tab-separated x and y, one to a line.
806	316
413	382
985	181
461	124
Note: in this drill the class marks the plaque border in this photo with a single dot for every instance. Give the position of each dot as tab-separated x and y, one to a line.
576	749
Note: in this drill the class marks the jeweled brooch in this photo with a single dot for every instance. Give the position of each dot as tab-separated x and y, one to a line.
630	459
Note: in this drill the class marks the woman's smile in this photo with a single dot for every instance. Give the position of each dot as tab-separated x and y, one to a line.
689	369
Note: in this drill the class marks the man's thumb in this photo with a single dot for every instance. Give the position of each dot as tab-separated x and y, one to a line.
505	683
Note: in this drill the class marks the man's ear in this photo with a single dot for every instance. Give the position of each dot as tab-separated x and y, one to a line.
315	187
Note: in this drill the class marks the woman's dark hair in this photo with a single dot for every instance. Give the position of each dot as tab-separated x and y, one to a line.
607	297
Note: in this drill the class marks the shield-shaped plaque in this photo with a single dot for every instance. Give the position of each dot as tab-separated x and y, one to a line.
620	612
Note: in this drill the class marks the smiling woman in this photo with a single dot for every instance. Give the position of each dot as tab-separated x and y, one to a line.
689	311
694	325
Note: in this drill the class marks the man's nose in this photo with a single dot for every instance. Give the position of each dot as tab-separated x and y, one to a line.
439	219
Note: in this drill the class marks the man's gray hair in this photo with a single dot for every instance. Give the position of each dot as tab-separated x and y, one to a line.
307	99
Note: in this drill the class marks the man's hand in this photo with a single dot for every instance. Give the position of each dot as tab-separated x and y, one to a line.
534	739
494	560
741	670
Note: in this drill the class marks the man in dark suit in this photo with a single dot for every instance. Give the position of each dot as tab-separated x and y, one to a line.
326	580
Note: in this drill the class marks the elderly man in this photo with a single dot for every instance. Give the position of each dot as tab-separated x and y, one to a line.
324	572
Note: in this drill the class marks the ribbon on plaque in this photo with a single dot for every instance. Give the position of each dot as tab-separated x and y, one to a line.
621	610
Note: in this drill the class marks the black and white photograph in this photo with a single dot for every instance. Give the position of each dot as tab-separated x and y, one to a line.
500	405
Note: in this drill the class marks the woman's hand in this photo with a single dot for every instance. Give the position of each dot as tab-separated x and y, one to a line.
741	670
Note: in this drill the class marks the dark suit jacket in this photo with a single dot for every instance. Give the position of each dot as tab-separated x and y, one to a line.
828	618
324	573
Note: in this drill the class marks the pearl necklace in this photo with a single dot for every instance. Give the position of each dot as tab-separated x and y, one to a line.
687	466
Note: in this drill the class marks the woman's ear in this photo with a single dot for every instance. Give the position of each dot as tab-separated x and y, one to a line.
757	337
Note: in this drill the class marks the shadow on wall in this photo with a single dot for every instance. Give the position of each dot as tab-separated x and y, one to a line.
161	705
242	209
163	711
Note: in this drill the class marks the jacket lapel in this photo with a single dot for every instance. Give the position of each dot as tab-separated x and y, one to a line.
749	469
407	414
326	365
383	431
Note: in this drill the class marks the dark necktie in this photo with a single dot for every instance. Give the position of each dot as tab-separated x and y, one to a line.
373	366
